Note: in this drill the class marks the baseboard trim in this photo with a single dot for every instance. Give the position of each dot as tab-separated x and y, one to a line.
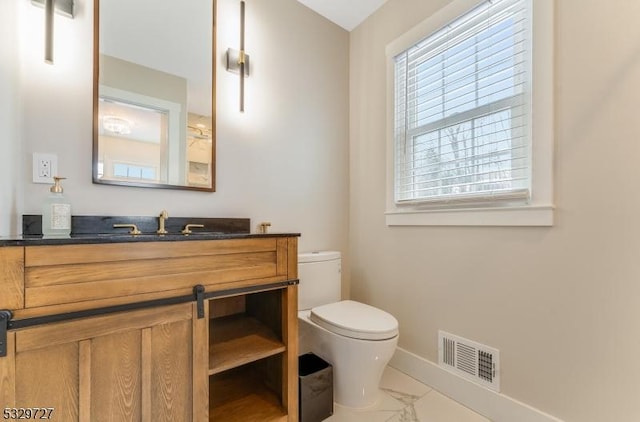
495	406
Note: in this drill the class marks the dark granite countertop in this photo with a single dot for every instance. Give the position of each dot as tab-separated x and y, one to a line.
85	239
99	229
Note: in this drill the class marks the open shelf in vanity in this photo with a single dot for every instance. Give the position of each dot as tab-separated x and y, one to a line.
248	360
239	340
241	394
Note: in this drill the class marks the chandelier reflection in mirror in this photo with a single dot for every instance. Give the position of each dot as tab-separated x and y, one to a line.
116	125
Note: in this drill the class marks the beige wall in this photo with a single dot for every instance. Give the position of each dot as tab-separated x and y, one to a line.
284	160
562	303
10	180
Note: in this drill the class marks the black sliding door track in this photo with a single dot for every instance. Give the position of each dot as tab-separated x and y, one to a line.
199	295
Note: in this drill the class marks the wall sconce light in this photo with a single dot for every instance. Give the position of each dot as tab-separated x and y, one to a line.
62	7
238	60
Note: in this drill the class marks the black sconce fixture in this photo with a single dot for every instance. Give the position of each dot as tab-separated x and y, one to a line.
238	60
62	7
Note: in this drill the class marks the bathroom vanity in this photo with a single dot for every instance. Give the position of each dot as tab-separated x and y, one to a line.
150	328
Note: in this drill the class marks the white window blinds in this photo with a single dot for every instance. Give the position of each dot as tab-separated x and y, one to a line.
462	109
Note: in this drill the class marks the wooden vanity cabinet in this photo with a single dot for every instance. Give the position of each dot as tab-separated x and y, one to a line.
143	365
207	360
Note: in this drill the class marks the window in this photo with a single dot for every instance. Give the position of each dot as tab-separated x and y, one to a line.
133	171
462	114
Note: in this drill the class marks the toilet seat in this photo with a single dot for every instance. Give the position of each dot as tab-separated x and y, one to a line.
356	320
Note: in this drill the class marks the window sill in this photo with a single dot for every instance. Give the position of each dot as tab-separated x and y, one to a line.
539	215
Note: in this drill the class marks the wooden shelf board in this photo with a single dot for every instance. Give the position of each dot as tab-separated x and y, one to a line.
237	340
239	396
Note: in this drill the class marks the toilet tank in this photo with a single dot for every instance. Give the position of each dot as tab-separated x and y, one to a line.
320	278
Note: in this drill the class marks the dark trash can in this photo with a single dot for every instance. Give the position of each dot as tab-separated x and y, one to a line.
315	388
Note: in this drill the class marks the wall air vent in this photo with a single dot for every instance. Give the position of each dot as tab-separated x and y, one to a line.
470	360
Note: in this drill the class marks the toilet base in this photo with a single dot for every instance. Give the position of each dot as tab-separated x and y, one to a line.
357	364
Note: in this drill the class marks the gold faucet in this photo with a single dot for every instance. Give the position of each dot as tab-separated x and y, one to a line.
134	229
164	216
187	229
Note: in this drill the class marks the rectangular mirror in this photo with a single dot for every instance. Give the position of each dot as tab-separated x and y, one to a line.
154	94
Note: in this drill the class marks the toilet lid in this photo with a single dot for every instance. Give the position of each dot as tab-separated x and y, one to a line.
355	320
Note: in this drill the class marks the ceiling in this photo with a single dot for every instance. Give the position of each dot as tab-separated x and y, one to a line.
346	13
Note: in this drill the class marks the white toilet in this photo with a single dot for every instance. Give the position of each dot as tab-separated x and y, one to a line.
357	339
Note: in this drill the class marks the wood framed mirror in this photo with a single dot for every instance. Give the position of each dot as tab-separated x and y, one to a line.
154	94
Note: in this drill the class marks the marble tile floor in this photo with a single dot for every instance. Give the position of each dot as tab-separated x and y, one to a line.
404	399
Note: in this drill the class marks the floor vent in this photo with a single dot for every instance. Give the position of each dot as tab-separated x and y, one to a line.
473	361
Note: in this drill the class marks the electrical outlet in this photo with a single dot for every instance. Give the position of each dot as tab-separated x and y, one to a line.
45	166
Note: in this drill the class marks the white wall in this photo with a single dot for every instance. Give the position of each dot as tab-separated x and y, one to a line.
284	160
10	181
561	303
